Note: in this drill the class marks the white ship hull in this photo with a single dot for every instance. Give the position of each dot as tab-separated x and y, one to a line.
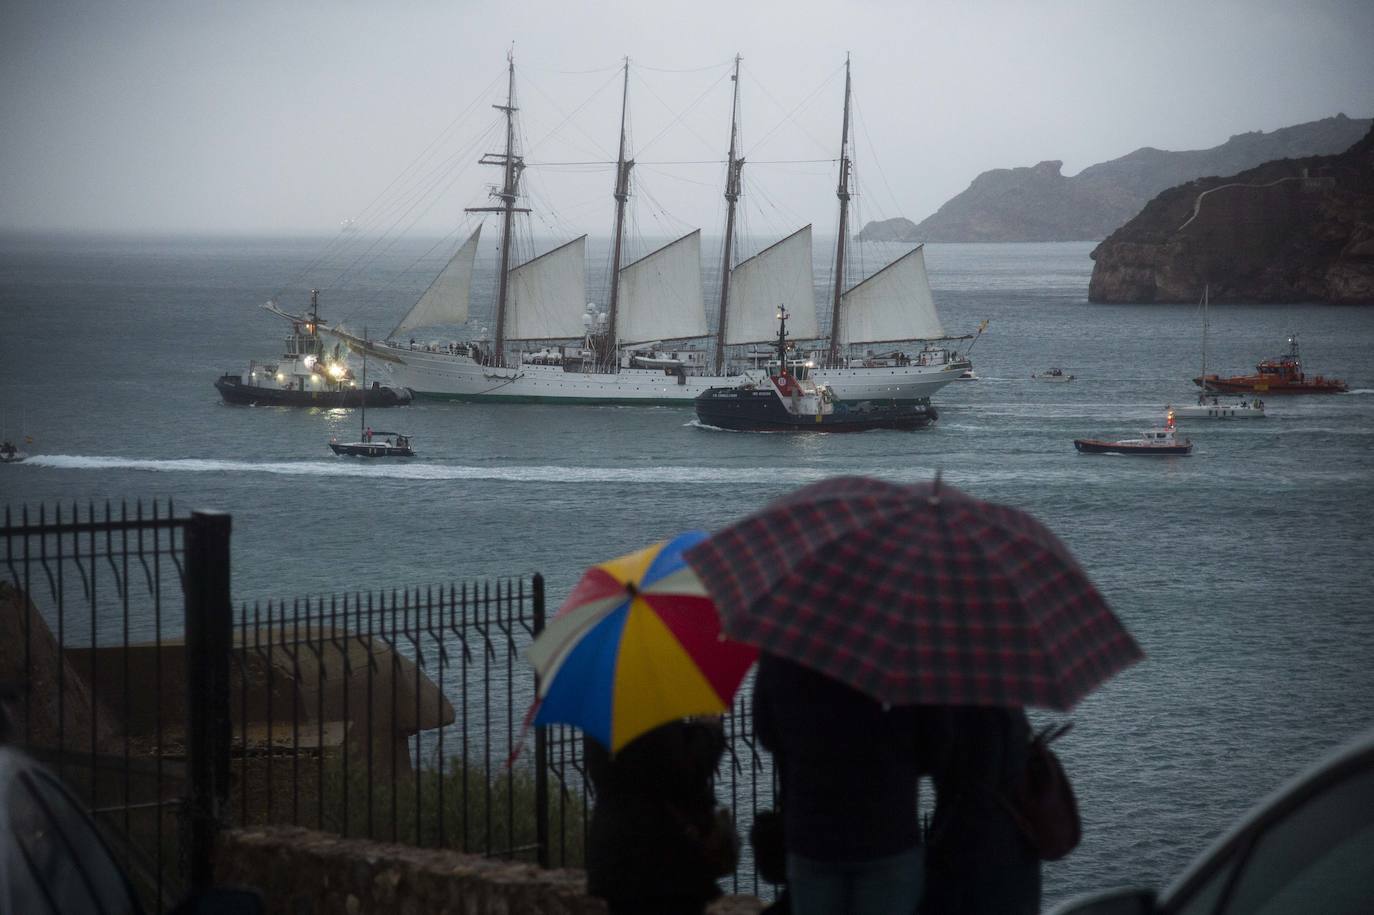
459	377
1221	410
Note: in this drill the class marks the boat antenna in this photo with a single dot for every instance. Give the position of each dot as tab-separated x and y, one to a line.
1206	289
733	166
843	193
512	165
782	339
622	194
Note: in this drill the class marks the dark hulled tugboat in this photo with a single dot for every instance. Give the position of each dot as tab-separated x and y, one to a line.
307	375
784	397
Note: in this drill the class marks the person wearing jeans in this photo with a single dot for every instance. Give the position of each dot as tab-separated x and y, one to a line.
849	770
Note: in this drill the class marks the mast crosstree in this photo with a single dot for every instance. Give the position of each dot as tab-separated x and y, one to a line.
513	165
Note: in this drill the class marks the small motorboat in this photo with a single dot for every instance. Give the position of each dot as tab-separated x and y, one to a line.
10	454
785	398
372	444
1052	375
375	444
1280	375
1157	441
1214	406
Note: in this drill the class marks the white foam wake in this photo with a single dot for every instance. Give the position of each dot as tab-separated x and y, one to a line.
429	471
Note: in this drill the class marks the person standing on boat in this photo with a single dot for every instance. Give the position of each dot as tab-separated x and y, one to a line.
367	435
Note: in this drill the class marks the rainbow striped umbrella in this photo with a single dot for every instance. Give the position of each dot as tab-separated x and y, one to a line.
637	644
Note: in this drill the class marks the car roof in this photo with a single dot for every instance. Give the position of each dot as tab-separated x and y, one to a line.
1353	757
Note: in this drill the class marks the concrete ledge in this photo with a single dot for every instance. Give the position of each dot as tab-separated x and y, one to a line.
303	872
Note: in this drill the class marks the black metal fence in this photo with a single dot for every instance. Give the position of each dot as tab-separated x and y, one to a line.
396	715
105	670
402	716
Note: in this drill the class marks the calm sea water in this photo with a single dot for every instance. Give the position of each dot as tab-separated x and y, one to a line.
1244	570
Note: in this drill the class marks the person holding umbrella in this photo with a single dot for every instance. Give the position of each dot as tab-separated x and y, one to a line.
848	769
636	659
655	845
903	629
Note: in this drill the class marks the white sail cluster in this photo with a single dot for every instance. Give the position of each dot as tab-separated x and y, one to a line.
892	305
660	296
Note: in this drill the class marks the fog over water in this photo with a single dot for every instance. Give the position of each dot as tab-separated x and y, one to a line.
260	116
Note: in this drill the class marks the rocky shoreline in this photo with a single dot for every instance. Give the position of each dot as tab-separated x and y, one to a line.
1039	203
1291	230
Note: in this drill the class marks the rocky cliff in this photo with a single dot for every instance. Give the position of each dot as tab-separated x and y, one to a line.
1040	204
1291	230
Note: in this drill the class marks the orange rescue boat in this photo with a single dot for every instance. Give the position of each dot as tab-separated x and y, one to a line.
1281	375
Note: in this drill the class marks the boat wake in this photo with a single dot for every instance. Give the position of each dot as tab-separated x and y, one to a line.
344	469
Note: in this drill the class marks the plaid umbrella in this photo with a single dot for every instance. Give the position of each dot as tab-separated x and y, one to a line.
915	595
637	644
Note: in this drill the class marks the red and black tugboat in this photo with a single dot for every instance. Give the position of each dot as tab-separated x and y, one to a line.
785	398
1280	375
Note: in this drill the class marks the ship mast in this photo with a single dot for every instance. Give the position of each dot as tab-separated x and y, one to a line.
732	172
1205	290
622	194
843	194
509	192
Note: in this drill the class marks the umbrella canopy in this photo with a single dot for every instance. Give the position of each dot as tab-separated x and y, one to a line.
637	644
915	595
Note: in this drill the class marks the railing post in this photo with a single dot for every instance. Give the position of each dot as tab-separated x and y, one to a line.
209	640
541	748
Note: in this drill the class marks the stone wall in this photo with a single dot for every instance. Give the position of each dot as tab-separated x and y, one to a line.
301	872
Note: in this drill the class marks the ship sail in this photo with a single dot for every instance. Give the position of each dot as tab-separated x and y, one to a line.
548	295
446	299
778	275
892	305
660	294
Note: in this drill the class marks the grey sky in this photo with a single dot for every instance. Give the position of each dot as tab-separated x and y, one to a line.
276	117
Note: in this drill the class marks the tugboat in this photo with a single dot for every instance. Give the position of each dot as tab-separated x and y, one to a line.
1052	375
307	375
1280	375
784	397
1152	442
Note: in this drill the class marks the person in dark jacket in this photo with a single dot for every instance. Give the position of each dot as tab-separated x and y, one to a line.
655	843
849	770
977	860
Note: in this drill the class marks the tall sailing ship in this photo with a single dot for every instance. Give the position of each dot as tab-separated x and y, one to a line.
652	344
